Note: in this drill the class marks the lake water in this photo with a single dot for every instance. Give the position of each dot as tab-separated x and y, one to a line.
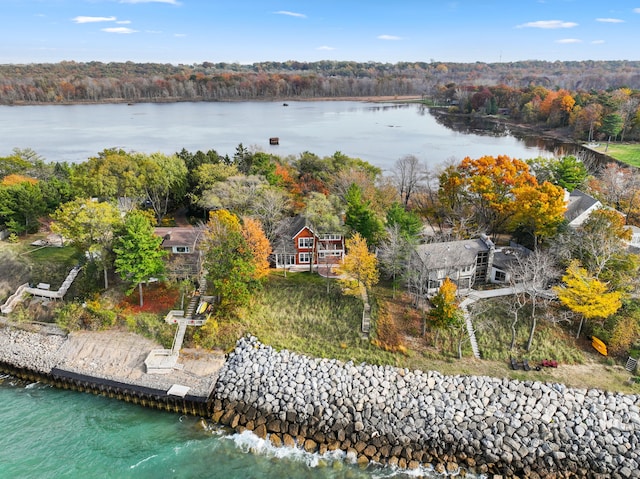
48	433
377	133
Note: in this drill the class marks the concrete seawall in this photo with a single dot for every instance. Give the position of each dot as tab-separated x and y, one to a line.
111	364
408	418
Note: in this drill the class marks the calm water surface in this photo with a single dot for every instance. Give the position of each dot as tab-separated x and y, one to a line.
49	434
377	133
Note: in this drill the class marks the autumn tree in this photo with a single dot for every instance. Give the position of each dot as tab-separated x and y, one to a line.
359	269
445	313
138	251
584	294
488	185
258	245
600	245
234	258
89	225
538	210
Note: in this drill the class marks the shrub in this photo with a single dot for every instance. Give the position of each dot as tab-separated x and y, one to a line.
69	317
150	326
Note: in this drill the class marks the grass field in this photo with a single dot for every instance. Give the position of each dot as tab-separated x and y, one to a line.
297	314
625	152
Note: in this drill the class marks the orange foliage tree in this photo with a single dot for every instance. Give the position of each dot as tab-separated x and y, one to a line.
258	244
16	179
488	184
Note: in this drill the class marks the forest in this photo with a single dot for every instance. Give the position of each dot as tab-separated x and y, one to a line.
70	81
586	101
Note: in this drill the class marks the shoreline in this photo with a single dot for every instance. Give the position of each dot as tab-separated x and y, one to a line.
119	101
393	416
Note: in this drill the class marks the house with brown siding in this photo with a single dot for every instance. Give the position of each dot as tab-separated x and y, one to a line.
298	245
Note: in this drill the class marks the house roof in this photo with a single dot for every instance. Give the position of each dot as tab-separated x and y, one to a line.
579	202
285	235
503	258
179	236
451	253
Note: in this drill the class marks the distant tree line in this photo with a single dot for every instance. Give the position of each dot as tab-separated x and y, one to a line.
69	81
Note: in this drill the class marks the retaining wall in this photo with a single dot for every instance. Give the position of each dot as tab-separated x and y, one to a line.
407	418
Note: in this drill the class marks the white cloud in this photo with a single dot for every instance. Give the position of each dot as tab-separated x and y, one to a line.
388	37
122	30
290	14
548	24
325	48
82	19
170	2
569	40
123	22
597	42
609	20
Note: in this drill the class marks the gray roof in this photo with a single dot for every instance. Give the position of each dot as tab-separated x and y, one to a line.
579	202
451	253
284	236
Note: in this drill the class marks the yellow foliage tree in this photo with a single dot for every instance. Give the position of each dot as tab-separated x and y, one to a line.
359	268
624	333
489	184
586	295
539	209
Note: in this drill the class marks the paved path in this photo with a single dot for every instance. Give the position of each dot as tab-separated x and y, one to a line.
474	296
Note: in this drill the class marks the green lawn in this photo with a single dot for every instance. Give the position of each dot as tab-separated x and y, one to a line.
297	313
626	152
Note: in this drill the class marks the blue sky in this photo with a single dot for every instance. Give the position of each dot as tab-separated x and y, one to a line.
247	31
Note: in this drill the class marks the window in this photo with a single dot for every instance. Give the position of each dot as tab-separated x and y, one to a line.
501	276
305	243
324	254
304	258
285	259
332	237
180	249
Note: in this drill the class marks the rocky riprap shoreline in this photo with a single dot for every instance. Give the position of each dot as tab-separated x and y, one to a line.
28	350
410	418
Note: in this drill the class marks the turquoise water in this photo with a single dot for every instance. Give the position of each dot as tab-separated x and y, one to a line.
50	433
